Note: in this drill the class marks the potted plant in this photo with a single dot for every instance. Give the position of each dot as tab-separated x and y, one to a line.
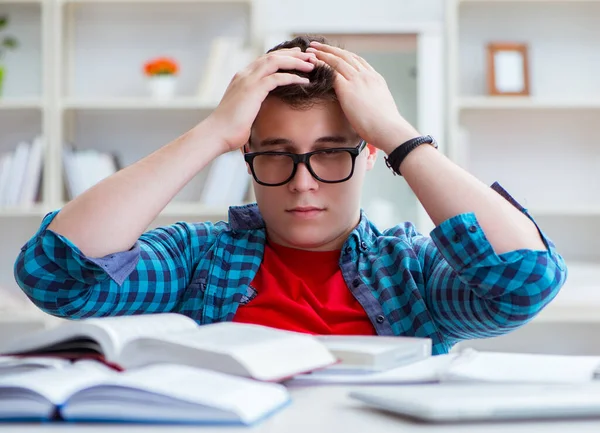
6	43
162	77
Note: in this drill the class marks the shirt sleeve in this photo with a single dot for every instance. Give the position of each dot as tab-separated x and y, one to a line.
474	292
149	278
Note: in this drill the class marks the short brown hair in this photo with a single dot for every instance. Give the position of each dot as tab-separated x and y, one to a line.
302	96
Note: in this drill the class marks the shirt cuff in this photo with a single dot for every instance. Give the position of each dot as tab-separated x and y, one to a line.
60	250
462	241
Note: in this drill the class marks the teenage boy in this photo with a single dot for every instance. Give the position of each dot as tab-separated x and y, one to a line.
310	119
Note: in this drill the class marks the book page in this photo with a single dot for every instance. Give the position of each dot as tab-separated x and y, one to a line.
10	365
58	384
472	365
228	337
240	349
107	335
123	329
190	391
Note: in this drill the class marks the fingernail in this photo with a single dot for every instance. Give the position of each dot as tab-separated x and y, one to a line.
310	50
315	43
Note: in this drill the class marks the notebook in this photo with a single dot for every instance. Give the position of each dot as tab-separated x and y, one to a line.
88	391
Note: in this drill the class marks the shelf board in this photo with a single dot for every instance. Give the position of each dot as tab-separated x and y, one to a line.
579	299
525	102
136	104
21	1
20	103
569	314
151	1
568	211
37	210
528	1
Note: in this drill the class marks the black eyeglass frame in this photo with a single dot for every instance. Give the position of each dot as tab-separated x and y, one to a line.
304	158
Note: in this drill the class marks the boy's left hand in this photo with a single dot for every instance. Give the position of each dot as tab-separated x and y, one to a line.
365	98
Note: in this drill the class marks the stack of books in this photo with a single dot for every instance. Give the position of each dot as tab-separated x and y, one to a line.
164	368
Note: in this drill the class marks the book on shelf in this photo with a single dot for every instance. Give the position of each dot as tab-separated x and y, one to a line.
20	173
227	56
227	181
127	342
88	391
85	168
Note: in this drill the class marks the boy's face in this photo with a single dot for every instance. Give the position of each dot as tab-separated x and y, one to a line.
306	213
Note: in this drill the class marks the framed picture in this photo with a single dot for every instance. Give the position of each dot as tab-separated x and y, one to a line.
508	69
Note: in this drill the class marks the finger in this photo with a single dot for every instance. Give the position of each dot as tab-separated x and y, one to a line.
285	51
363	62
349	57
337	63
271	64
321	63
283	79
295	52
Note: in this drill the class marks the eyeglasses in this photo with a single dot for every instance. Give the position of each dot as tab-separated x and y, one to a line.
333	165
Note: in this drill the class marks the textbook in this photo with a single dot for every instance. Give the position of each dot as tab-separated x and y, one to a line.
89	391
126	342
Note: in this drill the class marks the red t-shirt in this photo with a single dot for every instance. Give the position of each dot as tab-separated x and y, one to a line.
304	291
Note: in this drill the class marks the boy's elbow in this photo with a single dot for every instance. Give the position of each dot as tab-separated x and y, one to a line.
33	279
539	289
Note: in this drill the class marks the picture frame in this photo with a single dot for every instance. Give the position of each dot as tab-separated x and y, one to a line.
508	69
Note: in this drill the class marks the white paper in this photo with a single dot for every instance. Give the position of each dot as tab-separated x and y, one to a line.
428	370
508	71
521	367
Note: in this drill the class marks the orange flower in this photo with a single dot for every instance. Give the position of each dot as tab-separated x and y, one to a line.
161	66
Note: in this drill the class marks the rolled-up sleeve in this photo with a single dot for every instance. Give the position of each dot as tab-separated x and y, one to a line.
148	278
474	292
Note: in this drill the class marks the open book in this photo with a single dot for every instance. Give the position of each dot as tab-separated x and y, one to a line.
239	349
166	393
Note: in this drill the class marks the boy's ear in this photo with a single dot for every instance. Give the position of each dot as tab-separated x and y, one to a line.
243	150
371	156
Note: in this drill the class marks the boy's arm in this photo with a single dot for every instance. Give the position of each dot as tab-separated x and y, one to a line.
148	278
472	291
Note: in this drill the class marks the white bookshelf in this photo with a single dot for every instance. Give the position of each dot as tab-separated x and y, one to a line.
77	78
544	148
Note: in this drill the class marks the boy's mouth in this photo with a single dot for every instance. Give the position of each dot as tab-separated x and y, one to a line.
305	211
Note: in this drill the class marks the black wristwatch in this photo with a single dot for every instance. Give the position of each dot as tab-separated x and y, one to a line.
395	158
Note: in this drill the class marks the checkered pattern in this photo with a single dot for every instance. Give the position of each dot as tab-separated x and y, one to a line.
448	287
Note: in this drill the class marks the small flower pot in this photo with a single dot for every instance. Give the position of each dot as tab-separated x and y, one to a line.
162	87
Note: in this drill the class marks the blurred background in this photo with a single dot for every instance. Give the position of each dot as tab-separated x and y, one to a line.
509	87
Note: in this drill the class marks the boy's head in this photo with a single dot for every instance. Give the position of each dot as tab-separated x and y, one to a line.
305	212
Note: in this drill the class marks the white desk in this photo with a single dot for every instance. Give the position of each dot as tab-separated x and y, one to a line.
327	410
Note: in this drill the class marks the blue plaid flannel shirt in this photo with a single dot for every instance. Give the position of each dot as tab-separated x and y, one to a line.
447	287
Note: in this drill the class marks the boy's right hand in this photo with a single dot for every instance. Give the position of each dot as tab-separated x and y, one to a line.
233	118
